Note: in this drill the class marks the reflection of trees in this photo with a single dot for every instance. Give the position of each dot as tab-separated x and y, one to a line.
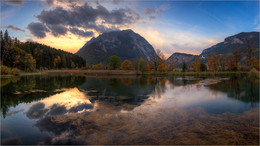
118	91
239	88
20	91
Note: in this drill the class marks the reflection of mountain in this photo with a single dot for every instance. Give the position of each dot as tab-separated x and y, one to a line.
118	91
240	89
32	88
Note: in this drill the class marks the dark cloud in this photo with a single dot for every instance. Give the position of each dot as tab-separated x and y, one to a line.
81	32
118	1
14	2
38	29
58	30
14	28
36	111
84	17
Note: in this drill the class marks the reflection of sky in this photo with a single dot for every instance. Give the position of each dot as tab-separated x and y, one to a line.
190	96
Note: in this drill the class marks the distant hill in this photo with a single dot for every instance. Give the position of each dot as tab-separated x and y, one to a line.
126	44
181	58
239	40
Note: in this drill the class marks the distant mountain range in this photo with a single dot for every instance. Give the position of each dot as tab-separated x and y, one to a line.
129	45
238	40
126	44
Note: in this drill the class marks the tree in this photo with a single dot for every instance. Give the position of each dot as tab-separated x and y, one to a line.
150	66
234	62
250	60
184	67
141	65
29	62
157	58
203	67
126	65
114	62
172	64
222	60
87	65
97	66
212	62
196	65
162	67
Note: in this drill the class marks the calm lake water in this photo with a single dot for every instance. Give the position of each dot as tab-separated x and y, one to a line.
129	110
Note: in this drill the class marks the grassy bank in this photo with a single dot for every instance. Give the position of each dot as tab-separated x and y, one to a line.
128	72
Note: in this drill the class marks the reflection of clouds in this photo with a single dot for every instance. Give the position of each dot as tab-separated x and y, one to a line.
14	112
36	111
81	108
57	109
69	99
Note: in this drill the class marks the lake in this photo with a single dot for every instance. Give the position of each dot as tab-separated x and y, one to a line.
129	110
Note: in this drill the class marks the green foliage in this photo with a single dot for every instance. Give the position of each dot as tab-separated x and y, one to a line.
13	54
114	62
184	67
5	70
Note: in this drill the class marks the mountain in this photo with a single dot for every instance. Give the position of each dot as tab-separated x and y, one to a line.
126	44
181	57
239	40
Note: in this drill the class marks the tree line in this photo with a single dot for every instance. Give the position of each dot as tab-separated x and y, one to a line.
31	56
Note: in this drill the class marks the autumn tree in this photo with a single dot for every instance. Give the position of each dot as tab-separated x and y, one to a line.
196	65
126	65
157	58
222	61
212	62
114	62
233	64
150	66
249	55
162	67
98	66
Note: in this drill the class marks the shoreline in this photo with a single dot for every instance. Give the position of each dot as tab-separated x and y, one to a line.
126	73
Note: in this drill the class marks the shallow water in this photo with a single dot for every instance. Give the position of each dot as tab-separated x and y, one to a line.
129	110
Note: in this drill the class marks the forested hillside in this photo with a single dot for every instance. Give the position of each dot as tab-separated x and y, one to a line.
29	56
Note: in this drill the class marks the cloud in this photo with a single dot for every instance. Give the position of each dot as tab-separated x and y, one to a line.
150	11
81	33
36	111
173	40
81	20
14	2
14	28
38	29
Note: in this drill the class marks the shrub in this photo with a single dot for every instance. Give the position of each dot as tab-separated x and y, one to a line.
5	70
16	71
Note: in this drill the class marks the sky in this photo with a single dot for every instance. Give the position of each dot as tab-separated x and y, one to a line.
185	26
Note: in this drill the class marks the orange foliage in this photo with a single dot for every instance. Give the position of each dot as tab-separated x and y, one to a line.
196	64
150	66
126	65
212	62
162	67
